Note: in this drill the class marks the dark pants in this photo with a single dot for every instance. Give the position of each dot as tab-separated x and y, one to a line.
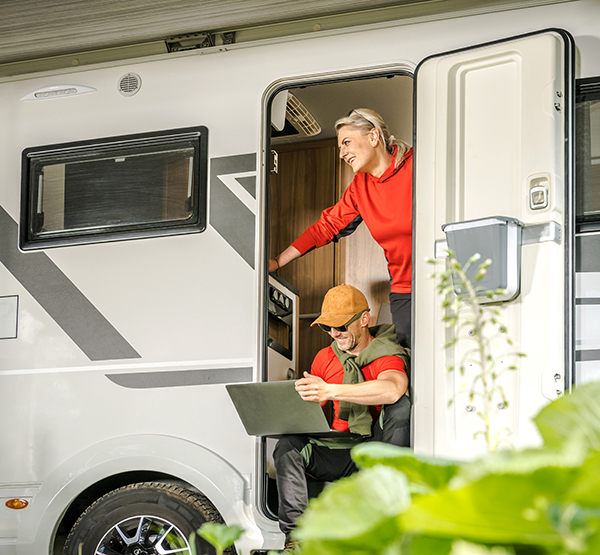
293	471
396	423
400	307
297	459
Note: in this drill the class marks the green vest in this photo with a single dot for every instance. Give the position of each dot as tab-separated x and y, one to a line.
384	344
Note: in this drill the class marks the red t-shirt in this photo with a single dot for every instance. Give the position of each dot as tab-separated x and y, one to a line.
329	368
385	205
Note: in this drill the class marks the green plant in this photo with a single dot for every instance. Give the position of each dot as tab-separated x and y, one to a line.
543	501
220	536
477	329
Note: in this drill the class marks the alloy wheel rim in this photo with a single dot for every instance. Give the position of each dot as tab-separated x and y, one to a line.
144	535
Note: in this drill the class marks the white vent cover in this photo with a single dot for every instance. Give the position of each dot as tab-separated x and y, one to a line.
130	84
301	118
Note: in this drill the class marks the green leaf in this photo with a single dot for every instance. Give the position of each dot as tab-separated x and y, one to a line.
496	509
585	489
579	527
577	414
423	473
218	535
426	545
593	541
466	548
527	463
356	514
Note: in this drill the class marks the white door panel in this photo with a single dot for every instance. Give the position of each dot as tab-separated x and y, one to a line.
490	126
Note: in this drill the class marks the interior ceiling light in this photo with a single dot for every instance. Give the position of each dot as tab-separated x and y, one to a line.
56	91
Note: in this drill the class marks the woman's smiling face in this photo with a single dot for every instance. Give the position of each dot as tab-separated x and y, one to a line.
359	151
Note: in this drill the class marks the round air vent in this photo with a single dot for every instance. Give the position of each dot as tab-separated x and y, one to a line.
130	84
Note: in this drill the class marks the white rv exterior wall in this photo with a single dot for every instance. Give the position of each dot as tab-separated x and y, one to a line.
186	302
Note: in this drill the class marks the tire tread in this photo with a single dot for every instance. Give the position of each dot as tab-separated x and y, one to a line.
193	499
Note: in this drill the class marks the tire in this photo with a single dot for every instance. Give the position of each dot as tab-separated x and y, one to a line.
149	518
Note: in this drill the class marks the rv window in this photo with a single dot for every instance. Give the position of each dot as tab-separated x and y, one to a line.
114	188
587	118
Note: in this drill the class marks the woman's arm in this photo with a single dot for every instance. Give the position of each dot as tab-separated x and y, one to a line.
289	254
333	220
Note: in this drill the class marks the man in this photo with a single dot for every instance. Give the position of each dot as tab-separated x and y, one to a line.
362	370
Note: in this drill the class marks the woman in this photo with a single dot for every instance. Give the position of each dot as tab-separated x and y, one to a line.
380	195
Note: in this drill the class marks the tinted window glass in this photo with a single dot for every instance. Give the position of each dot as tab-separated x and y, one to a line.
115	188
587	119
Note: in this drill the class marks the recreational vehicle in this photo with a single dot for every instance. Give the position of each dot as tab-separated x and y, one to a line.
141	199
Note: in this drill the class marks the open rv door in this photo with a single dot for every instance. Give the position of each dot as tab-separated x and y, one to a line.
493	148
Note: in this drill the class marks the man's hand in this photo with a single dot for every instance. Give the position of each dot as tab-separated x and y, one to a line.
313	388
389	386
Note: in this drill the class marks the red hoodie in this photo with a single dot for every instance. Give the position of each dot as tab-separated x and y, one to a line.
385	205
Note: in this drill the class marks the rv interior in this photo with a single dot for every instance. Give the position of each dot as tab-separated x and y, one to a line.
311	177
308	178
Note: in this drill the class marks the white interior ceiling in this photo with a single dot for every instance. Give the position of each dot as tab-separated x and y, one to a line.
391	97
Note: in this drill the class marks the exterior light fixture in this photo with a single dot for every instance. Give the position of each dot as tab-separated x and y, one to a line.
56	91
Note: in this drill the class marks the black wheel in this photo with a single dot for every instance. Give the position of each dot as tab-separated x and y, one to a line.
150	518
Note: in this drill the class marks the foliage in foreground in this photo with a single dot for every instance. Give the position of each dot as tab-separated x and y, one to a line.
220	536
542	501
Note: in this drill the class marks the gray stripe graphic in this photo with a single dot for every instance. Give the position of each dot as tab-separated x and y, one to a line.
181	378
229	215
587	253
61	299
248	183
587	301
587	355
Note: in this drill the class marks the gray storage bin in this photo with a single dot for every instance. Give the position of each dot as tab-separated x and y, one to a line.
497	238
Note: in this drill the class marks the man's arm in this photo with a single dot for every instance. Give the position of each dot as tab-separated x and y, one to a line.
389	386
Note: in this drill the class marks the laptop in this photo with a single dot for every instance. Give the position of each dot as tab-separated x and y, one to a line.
276	408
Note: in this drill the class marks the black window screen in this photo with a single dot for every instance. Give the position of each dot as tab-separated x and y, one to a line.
115	188
587	118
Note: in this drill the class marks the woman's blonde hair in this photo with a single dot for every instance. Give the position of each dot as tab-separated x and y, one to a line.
364	120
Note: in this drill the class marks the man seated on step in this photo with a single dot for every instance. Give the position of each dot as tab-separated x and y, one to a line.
364	373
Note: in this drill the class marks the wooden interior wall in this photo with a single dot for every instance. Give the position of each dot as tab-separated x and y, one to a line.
361	260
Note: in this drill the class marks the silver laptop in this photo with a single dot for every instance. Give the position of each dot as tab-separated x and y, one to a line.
276	408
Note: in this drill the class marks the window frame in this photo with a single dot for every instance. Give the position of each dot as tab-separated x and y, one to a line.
198	135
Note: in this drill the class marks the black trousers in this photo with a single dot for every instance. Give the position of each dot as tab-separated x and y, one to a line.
400	307
299	459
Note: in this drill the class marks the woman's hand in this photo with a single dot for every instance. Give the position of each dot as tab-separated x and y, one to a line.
273	265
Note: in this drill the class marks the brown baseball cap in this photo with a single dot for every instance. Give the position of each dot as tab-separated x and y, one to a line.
340	304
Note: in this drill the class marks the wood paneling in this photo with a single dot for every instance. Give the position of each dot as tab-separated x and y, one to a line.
303	188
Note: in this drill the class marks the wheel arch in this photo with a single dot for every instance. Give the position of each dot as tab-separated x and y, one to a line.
95	470
96	490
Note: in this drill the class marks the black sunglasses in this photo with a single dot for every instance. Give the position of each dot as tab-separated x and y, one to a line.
360	116
343	328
